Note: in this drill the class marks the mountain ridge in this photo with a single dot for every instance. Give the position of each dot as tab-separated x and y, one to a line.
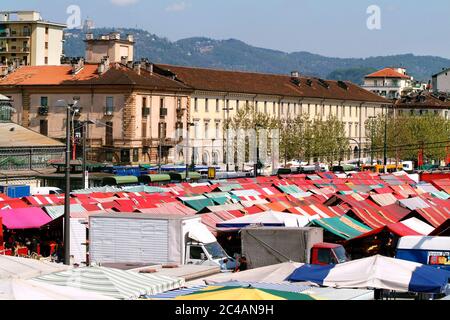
234	54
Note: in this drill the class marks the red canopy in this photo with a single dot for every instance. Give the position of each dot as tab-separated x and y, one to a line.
27	218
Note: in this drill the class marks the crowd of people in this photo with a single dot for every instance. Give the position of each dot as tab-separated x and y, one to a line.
45	245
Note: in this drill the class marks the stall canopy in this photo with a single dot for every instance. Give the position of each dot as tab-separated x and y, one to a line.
18	289
268	219
153	178
376	272
120	180
113	282
24	218
409	227
22	268
343	227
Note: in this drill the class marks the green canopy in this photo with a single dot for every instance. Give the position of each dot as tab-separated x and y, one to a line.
120	180
152	178
230	187
343	227
180	176
291	189
199	204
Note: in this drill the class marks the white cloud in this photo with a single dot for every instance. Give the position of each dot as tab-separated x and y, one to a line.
123	3
176	7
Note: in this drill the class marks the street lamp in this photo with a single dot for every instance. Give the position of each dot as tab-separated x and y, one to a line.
228	109
372	132
189	125
85	173
69	107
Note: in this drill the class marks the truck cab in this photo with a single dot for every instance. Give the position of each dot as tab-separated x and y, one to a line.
324	254
210	254
432	251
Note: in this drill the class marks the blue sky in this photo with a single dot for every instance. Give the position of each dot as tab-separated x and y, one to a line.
328	27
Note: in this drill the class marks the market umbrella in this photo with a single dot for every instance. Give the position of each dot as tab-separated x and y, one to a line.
113	282
243	293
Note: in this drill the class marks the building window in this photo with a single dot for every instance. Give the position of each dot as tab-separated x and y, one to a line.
237	105
109	105
356	129
46	60
343	111
109	134
196	105
179	103
43	127
196	130
44	101
206	105
350	126
135	155
274	108
144	130
46	30
217	130
217	106
206	129
46	45
265	107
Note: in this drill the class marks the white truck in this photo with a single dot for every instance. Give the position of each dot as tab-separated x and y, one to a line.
153	239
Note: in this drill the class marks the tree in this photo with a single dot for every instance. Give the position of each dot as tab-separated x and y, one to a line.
406	134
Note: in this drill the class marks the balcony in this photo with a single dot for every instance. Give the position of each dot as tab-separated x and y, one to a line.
180	112
109	111
13	34
145	112
15	50
163	112
43	111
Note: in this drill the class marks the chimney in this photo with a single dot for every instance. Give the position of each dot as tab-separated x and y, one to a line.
114	36
124	60
89	36
77	65
104	65
137	67
295	74
130	37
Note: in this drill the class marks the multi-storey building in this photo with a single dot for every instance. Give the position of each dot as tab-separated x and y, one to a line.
28	40
423	104
441	81
390	83
219	94
139	114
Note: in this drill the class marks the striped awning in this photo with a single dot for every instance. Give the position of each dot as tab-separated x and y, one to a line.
113	282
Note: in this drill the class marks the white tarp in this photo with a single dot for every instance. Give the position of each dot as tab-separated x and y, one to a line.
200	233
267	218
23	268
418	226
18	289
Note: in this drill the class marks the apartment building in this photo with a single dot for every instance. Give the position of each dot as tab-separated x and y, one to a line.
441	81
423	104
219	94
138	114
26	39
390	83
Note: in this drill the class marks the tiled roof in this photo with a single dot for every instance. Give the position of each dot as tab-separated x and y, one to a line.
388	73
14	136
269	84
423	101
62	75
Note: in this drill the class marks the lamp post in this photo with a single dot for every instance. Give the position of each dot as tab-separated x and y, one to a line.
189	125
85	173
69	107
385	140
228	109
372	132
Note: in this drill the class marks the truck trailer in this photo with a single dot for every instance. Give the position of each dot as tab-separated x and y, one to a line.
153	239
265	246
